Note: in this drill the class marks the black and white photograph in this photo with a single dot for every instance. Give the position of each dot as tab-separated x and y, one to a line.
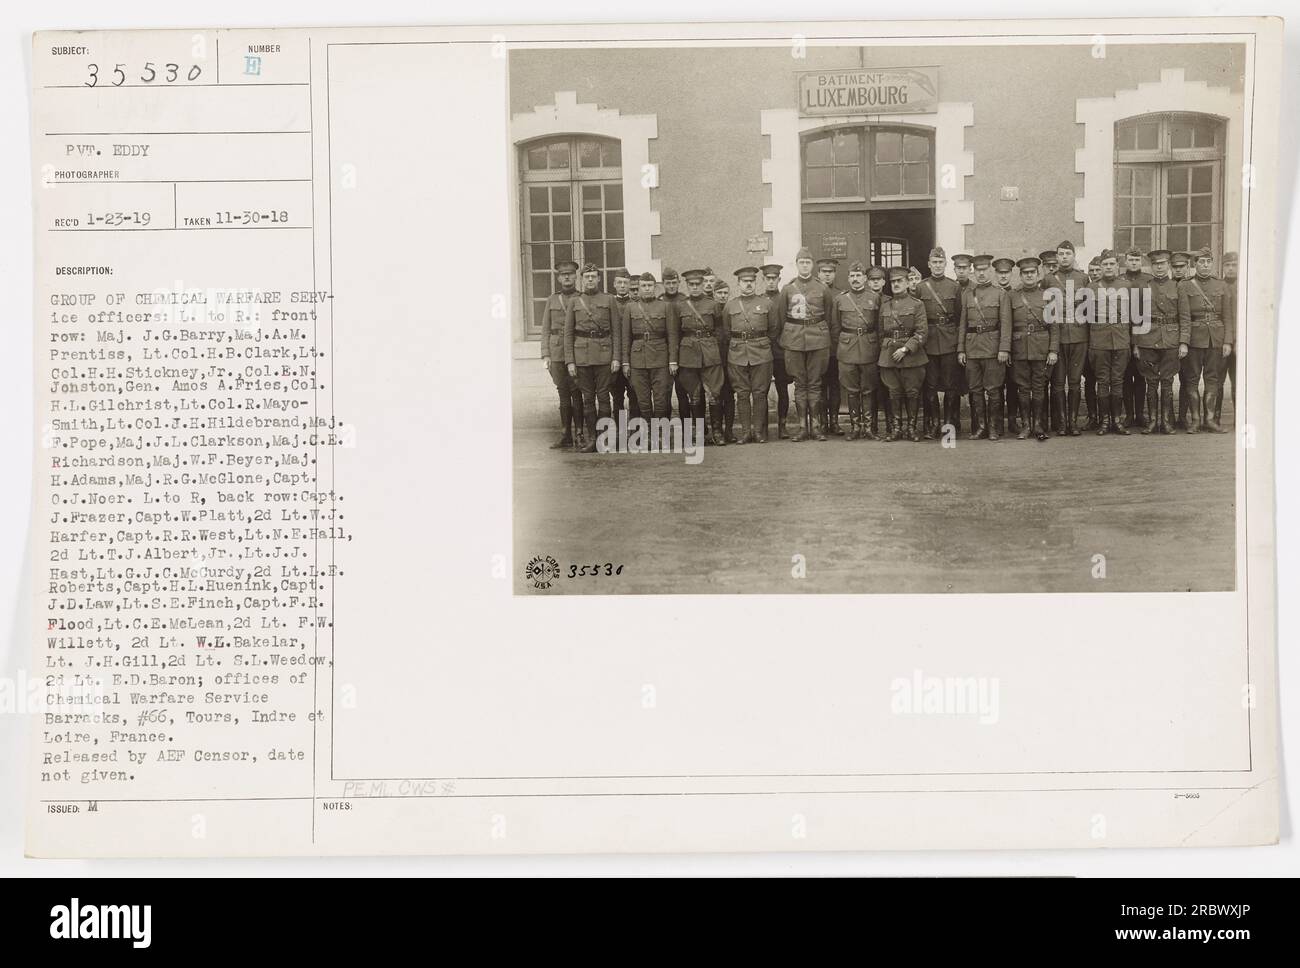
878	319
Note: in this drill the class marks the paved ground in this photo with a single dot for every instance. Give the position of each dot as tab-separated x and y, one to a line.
1010	516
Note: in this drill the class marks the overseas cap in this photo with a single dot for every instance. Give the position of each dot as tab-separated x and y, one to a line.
938	253
646	277
670	274
1067	245
1134	250
590	267
804	253
857	267
1205	253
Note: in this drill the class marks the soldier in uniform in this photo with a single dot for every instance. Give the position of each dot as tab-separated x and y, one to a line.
902	354
618	385
1207	319
1034	345
651	332
984	346
857	339
962	267
1002	267
1108	345
1179	270
710	280
553	358
1089	376
876	279
782	379
940	296
805	308
1158	350
701	353
1135	391
1047	263
592	331
750	328
826	269
1229	364
721	294
672	294
1072	351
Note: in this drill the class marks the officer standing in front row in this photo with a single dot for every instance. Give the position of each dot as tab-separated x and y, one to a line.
805	309
780	376
701	353
750	328
1034	346
1158	350
591	348
830	415
984	346
1108	347
1002	267
1207	319
902	354
1072	353
553	359
1229	364
857	341
650	337
940	295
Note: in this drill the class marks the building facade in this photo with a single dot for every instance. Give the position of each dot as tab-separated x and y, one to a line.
685	157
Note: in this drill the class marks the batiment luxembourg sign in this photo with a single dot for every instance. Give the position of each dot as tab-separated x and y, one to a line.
883	90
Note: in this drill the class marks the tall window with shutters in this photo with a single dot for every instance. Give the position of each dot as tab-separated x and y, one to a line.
572	208
1169	182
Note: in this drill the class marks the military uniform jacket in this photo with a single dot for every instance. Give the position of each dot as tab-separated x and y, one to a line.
557	307
591	329
1074	326
750	328
1110	330
1207	312
1164	333
701	331
650	335
984	329
941	297
1032	337
902	323
804	309
857	327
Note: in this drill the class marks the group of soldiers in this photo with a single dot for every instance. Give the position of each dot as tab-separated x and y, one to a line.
896	341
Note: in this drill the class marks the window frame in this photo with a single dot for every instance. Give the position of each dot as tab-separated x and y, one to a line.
866	165
575	177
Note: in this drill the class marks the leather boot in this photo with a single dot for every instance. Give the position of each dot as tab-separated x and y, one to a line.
1094	407
589	441
1072	411
1116	416
820	423
994	410
1168	405
799	410
1057	402
1040	415
566	418
1153	408
932	420
913	404
867	417
1026	405
1192	418
896	416
715	423
1213	401
975	401
1009	402
744	413
855	400
781	432
1218	404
